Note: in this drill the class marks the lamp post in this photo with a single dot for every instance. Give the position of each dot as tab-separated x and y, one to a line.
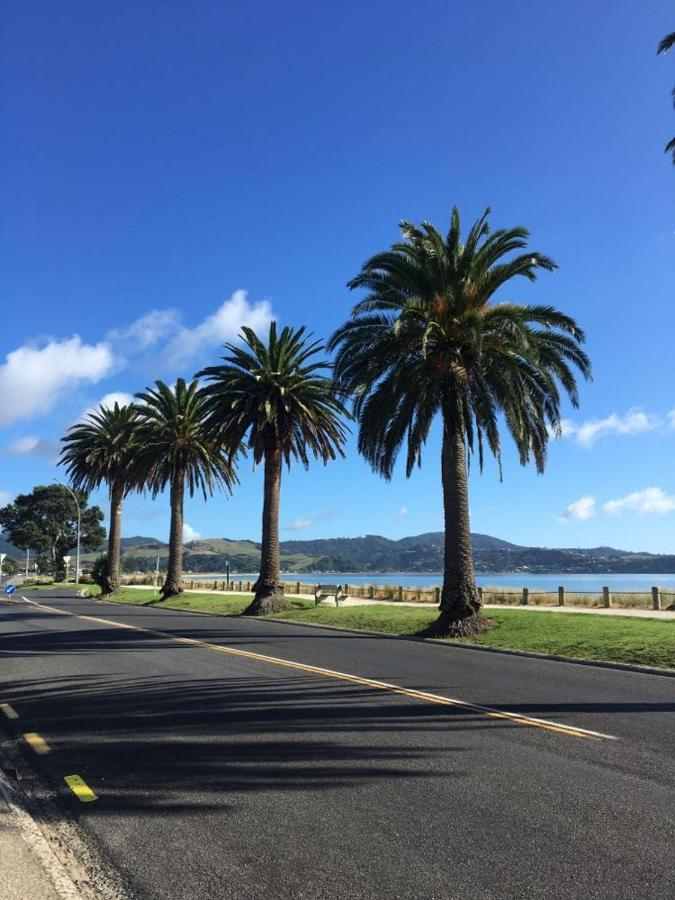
79	521
2	559
66	560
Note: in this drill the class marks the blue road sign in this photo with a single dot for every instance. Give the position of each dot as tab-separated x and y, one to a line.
10	589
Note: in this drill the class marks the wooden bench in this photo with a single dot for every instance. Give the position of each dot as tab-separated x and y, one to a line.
322	591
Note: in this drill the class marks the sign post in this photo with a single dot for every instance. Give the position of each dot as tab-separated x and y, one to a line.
10	589
66	560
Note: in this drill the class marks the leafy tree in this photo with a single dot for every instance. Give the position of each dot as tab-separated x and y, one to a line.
99	451
429	340
46	521
278	399
665	45
173	448
10	566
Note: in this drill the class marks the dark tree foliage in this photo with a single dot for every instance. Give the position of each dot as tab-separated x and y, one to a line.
46	521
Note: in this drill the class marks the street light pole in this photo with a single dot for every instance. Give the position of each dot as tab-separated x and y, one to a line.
79	522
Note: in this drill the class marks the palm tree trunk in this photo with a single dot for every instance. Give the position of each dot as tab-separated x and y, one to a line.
269	590
174	574
460	601
111	581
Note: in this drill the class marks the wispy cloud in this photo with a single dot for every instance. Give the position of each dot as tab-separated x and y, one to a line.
221	326
403	512
304	522
581	509
6	497
147	331
34	446
33	379
650	501
635	421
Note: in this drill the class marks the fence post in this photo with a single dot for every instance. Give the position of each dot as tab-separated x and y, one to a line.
656	598
526	594
437	596
372	592
480	593
606	597
561	596
240	585
400	592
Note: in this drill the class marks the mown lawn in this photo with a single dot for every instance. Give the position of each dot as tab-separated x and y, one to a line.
615	638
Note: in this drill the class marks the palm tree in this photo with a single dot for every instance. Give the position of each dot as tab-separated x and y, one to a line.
428	339
665	45
278	398
174	450
98	451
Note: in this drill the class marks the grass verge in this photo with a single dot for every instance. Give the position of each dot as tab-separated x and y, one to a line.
624	639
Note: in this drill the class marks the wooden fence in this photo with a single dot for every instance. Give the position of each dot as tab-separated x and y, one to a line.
656	598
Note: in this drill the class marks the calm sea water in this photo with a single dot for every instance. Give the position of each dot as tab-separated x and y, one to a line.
548	582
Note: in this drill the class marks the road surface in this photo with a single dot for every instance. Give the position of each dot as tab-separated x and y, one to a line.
239	758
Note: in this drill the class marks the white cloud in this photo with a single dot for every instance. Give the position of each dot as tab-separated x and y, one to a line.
189	533
301	523
403	512
671	419
108	401
147	331
583	508
635	421
34	446
33	379
650	501
5	498
222	325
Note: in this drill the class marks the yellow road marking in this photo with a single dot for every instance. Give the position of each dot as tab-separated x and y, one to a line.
438	699
38	743
80	788
9	711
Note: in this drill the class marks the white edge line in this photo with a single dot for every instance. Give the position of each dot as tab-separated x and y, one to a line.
319	670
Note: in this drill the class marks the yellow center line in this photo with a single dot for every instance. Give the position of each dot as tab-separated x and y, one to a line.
36	742
9	711
438	699
80	788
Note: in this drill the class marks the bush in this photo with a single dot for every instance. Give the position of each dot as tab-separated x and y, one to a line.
99	570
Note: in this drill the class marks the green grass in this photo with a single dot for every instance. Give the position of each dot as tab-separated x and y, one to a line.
616	638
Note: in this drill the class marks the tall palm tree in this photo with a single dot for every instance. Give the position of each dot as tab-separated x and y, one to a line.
173	449
429	339
99	451
665	45
277	398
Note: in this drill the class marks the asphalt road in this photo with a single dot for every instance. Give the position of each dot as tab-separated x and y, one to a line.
221	775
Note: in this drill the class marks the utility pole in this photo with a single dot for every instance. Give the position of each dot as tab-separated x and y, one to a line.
2	559
79	521
27	562
157	573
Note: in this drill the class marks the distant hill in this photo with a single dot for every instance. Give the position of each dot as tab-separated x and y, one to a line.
9	549
374	553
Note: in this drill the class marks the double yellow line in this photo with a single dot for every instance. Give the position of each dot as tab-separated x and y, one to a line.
423	696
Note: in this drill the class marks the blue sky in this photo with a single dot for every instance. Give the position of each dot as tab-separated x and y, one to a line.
171	170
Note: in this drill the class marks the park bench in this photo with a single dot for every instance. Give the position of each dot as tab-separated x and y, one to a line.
322	591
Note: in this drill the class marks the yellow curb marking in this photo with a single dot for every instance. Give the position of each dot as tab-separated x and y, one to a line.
36	742
9	711
80	788
438	699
